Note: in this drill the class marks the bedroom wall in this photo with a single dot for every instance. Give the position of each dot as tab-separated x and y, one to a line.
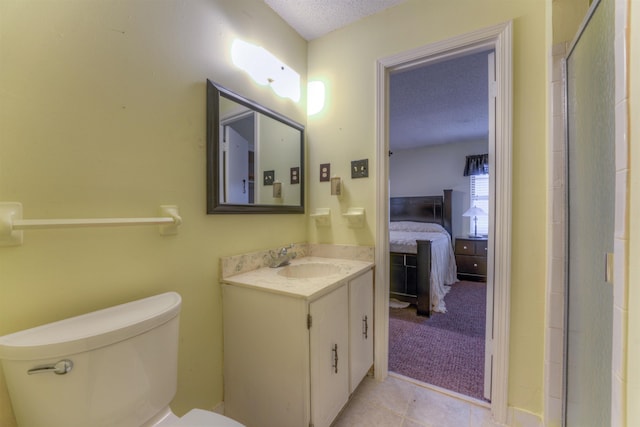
345	61
426	171
102	114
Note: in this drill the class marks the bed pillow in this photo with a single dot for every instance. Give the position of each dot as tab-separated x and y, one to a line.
425	227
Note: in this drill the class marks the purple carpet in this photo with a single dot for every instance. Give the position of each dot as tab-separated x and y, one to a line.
447	349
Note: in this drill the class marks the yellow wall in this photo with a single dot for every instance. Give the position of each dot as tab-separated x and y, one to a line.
102	114
345	130
567	17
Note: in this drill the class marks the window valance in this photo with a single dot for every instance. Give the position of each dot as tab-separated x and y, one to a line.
477	165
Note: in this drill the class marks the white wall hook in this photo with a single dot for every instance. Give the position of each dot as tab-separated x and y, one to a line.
355	216
322	216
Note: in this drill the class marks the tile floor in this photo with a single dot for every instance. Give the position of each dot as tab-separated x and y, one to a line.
397	402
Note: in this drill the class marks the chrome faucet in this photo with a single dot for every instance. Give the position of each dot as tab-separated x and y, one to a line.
282	257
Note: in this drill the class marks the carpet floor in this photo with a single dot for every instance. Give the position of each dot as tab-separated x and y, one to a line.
447	349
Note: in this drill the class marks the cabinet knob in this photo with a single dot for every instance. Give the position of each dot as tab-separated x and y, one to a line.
465	247
475	265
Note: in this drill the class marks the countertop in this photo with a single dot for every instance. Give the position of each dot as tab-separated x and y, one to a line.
271	280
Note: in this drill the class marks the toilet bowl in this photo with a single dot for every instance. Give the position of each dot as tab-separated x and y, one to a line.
115	367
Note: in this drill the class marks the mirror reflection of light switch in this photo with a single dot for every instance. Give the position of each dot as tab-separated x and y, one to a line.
268	177
325	170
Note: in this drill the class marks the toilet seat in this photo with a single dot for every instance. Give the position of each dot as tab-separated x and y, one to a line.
199	418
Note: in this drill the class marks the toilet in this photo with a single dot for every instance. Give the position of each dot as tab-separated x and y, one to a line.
115	367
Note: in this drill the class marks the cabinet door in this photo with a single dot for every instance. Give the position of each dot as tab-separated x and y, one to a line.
360	328
329	358
266	358
481	248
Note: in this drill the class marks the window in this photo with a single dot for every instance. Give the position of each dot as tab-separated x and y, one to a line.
480	199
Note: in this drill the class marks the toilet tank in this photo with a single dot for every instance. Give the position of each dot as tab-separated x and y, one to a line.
124	366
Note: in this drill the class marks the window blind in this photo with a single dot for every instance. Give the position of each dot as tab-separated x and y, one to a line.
480	198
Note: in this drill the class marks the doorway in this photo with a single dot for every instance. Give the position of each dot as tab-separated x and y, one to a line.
497	38
438	139
237	154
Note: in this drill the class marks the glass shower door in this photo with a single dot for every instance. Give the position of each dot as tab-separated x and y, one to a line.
591	172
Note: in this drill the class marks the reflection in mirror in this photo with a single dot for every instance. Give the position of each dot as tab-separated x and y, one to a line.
249	149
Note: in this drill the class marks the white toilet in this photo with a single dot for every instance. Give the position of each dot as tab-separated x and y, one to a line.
115	367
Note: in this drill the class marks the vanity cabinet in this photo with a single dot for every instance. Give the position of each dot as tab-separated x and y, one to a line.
293	361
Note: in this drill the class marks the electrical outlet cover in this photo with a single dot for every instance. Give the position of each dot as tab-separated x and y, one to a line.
295	175
325	172
360	168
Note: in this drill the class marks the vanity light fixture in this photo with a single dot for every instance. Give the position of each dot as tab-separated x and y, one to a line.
265	69
315	97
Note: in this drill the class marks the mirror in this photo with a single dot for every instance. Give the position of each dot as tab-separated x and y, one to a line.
254	157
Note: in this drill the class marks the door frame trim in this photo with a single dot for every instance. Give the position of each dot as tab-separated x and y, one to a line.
499	38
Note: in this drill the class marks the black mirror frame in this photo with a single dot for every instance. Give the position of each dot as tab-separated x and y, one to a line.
214	206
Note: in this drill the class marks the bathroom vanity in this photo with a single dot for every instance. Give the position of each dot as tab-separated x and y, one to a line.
297	341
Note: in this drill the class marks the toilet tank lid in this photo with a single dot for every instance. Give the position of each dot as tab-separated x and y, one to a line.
92	330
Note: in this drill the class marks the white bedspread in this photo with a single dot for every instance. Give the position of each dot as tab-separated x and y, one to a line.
402	238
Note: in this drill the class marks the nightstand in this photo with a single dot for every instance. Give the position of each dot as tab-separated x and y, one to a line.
471	258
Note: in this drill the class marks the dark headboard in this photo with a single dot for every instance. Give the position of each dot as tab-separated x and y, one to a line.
422	209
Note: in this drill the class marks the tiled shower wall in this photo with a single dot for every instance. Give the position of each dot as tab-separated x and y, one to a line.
621	230
555	292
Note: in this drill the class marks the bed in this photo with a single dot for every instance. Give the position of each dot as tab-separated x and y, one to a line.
422	261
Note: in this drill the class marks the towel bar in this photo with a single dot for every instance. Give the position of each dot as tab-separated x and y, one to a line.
12	224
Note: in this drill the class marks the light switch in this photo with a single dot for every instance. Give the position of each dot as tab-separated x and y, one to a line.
360	168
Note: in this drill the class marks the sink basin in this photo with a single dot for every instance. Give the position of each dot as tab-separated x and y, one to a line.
309	270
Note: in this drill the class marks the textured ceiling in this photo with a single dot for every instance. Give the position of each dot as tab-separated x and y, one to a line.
434	104
315	18
439	103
